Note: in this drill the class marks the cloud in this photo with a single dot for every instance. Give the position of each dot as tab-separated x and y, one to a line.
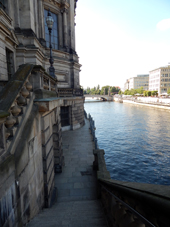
164	24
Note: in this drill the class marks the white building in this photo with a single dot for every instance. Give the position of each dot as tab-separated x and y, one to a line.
159	79
137	82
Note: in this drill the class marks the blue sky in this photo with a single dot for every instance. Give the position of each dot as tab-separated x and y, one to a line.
117	40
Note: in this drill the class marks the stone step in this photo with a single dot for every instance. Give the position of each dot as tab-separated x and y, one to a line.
72	214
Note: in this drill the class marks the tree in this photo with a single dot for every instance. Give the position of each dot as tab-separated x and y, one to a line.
154	93
106	89
148	93
126	92
145	93
168	91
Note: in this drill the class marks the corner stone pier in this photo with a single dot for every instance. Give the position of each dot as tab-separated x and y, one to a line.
77	204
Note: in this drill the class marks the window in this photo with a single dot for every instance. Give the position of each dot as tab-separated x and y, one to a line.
54	33
10	62
2	4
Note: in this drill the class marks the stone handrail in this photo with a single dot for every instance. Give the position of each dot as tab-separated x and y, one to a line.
42	80
16	100
70	92
150	201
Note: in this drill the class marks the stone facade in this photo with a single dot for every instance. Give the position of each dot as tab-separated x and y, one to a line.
159	80
31	103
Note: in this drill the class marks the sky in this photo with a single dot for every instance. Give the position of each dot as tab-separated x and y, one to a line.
119	39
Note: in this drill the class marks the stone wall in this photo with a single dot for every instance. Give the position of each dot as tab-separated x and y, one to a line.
76	105
78	113
21	176
51	150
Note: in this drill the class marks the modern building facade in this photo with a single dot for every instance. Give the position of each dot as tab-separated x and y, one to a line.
159	79
34	106
141	81
137	82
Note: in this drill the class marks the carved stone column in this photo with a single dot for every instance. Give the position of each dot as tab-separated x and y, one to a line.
40	19
65	27
17	15
60	31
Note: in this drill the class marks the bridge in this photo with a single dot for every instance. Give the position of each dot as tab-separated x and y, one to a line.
99	97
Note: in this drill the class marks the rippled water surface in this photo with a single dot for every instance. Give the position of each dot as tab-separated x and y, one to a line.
136	140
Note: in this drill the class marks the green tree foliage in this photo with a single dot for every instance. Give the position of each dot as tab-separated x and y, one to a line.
140	91
168	91
104	89
153	93
149	93
145	93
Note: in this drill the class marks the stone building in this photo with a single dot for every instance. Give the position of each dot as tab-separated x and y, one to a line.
159	79
34	106
137	82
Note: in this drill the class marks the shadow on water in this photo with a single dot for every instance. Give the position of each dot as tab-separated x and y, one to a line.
136	140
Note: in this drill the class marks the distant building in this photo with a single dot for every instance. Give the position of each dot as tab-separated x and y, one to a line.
126	85
159	79
137	82
141	81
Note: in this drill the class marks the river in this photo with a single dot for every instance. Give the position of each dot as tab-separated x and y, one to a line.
136	140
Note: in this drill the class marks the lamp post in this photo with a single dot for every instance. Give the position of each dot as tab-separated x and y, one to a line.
50	21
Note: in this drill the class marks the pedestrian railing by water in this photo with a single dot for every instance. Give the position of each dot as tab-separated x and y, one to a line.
92	128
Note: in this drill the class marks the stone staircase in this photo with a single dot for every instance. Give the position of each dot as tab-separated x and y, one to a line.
72	214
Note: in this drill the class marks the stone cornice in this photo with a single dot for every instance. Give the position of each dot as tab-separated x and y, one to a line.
5	18
59	3
55	2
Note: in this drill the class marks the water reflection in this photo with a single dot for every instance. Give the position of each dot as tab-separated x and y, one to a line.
136	140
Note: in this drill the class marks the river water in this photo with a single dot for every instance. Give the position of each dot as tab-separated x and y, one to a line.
136	140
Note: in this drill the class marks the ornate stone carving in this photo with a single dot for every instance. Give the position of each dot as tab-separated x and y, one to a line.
21	101
55	2
15	110
24	92
28	86
64	10
10	121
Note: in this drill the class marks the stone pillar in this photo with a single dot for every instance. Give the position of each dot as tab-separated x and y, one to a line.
41	19
65	28
17	14
60	30
36	18
72	26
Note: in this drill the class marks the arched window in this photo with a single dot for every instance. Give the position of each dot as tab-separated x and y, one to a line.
54	34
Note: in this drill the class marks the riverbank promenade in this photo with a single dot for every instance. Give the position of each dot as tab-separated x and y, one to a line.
77	204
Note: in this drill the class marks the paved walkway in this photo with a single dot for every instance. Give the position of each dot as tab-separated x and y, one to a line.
77	204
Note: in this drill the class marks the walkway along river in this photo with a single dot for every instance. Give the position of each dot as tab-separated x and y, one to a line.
136	140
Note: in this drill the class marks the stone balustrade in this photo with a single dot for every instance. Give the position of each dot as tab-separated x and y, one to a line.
66	92
16	100
41	80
